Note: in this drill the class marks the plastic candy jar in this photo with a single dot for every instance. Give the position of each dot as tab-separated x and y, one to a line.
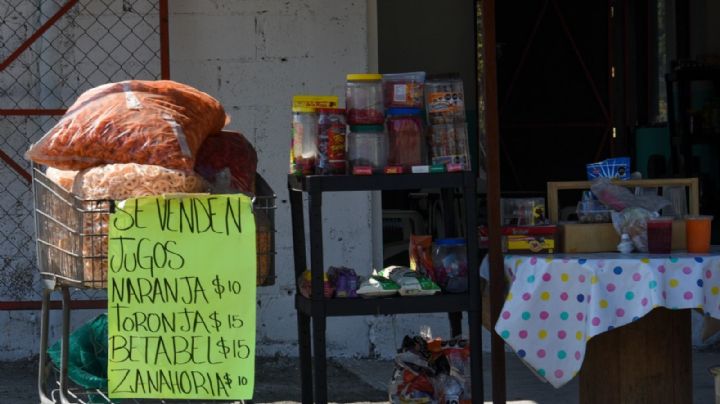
450	264
363	99
367	149
303	151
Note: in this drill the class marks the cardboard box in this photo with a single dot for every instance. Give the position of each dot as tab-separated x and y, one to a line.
602	237
525	239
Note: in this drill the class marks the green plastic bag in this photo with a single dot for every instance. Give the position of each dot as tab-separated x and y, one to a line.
88	354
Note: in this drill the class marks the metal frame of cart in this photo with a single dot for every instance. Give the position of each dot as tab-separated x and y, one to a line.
72	253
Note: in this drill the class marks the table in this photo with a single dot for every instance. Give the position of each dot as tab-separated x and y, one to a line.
557	303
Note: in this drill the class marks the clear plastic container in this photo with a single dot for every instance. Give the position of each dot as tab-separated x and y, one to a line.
593	211
331	142
449	144
303	151
367	149
403	90
450	264
406	137
364	99
659	235
445	99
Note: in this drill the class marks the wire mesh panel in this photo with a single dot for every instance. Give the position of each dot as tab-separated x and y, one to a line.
50	52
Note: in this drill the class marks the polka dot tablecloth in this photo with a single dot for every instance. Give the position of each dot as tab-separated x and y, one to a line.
557	302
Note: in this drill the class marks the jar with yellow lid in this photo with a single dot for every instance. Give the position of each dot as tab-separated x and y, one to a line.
303	151
364	99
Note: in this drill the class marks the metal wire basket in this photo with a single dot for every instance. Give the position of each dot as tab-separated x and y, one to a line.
264	207
72	234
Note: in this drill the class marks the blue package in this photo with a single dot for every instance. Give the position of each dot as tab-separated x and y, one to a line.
617	167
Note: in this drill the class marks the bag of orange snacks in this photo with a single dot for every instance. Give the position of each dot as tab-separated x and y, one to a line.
146	122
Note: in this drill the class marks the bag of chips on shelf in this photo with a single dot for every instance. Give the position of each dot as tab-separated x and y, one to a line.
344	281
411	283
421	255
305	285
377	286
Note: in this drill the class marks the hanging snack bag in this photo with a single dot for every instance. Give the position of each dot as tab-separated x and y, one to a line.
147	122
411	282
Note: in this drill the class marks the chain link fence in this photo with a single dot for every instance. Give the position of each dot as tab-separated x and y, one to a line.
50	52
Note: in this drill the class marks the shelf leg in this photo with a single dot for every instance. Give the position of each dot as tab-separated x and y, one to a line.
306	378
475	312
320	365
476	370
65	344
455	323
43	370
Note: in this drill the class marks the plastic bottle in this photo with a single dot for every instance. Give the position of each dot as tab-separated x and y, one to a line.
303	151
626	246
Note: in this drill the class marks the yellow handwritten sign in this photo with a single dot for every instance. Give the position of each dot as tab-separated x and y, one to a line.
181	298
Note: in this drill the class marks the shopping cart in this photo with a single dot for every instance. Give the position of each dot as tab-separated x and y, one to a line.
71	243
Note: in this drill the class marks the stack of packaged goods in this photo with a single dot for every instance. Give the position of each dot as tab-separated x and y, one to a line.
404	103
141	138
431	370
387	129
445	107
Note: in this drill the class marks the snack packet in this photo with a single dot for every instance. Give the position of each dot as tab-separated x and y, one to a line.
377	286
344	281
421	255
305	285
411	282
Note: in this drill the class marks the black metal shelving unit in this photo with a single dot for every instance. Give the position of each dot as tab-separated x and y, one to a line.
316	309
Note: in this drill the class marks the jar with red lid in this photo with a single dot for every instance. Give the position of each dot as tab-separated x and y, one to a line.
406	137
364	99
331	157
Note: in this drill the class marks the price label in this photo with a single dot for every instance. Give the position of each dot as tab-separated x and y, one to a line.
181	298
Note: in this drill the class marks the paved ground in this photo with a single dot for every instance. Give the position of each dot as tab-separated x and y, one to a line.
364	381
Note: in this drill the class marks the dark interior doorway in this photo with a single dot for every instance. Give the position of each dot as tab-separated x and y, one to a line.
554	90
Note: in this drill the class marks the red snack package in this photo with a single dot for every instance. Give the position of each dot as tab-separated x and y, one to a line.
228	162
421	255
406	136
146	122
